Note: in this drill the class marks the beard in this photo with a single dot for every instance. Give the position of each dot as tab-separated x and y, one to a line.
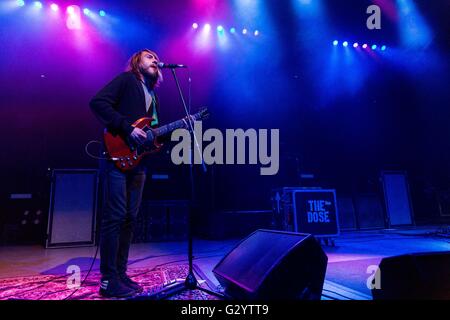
151	77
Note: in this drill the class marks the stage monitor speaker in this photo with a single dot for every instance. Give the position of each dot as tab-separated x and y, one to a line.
72	210
414	276
274	265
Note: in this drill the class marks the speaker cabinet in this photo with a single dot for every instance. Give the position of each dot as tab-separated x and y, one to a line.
414	276
397	198
274	265
72	210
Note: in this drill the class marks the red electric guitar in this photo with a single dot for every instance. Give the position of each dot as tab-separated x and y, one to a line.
127	155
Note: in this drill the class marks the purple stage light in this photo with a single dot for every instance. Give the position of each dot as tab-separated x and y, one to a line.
364	45
195	25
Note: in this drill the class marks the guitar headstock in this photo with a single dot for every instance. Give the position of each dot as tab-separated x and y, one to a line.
202	114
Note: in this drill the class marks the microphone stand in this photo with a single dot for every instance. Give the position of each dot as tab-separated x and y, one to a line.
190	283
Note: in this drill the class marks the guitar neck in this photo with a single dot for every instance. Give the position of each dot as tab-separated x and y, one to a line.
178	124
169	128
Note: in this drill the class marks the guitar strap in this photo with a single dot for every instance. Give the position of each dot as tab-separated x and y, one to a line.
153	109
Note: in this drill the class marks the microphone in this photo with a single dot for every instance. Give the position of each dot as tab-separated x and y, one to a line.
170	65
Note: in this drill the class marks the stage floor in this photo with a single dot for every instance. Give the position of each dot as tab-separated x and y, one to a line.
346	275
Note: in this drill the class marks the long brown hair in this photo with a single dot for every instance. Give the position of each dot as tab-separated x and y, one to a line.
135	61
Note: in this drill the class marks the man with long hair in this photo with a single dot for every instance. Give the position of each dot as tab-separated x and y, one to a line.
120	103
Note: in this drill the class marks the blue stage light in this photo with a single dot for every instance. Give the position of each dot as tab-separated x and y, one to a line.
20	3
219	29
374	47
383	48
335	43
345	43
102	13
38	4
256	33
86	11
244	31
233	30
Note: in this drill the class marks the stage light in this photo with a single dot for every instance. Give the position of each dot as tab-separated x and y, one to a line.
220	29
345	43
374	47
73	21
54	7
244	31
383	48
195	25
70	10
364	45
207	27
20	3
38	4
102	13
355	45
233	30
335	43
256	33
86	11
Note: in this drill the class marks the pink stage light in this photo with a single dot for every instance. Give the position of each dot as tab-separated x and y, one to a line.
73	21
70	9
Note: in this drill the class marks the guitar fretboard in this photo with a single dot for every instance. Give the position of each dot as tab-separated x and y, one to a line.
173	126
169	127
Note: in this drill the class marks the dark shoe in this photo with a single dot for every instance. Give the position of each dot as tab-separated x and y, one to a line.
130	283
115	288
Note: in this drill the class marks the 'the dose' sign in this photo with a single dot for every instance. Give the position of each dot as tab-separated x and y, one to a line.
316	212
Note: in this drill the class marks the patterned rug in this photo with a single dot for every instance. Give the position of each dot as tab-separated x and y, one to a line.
55	287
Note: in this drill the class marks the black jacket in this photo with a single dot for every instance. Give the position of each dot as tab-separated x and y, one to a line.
120	103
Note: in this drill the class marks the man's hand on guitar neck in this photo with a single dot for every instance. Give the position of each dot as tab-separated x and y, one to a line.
139	136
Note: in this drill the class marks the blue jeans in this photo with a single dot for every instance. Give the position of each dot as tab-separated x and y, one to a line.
122	199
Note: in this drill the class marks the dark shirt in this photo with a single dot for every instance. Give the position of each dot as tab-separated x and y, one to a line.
120	103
